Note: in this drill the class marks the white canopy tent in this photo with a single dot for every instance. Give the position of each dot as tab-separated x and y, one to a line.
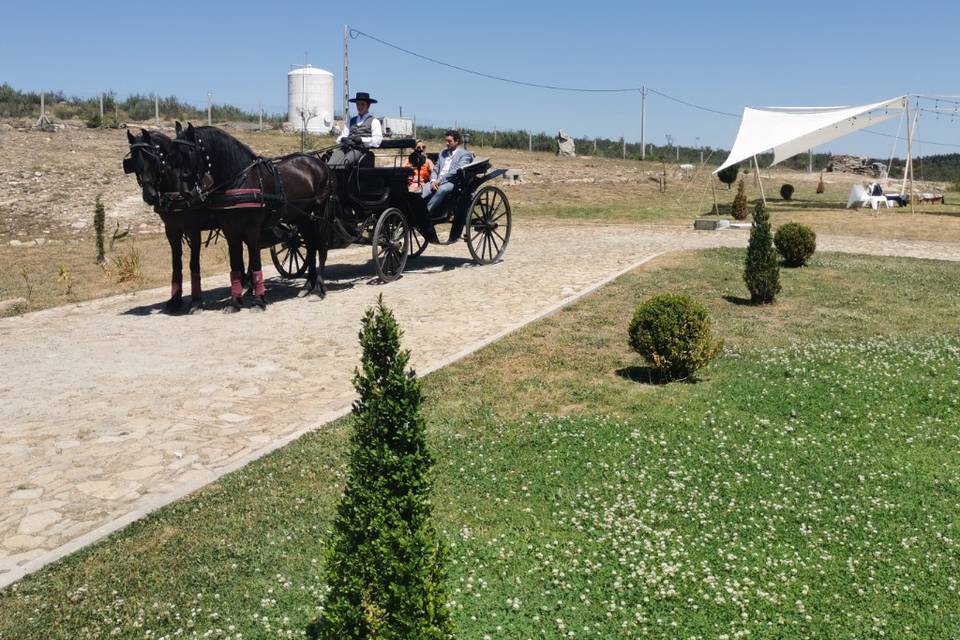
788	131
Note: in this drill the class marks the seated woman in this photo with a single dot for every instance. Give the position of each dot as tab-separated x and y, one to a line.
422	167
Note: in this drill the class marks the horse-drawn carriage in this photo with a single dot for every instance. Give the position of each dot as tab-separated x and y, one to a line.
300	207
395	221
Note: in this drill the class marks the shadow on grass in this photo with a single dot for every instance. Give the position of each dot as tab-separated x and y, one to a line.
643	375
737	300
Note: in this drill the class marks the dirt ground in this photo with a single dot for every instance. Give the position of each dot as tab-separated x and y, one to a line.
50	181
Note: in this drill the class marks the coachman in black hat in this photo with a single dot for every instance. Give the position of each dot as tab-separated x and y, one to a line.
361	132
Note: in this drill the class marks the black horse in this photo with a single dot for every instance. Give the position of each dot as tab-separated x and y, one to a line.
250	194
150	159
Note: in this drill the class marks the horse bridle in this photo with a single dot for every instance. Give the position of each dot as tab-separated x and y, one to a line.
198	173
155	155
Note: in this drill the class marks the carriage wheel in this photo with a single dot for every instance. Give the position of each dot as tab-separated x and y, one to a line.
488	225
289	255
418	244
391	244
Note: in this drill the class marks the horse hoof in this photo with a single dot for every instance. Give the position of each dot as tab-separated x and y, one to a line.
303	293
196	305
236	304
259	303
173	304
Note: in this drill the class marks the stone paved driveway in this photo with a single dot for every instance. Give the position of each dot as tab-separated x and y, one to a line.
110	409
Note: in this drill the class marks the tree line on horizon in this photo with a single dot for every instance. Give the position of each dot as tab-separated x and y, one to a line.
140	107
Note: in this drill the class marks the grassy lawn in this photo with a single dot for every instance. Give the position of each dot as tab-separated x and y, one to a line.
806	486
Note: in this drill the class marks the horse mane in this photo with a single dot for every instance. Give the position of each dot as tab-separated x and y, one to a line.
228	155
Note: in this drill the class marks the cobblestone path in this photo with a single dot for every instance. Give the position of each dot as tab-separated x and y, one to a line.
110	409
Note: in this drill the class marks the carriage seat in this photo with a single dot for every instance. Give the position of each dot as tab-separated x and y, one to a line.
478	167
398	143
374	184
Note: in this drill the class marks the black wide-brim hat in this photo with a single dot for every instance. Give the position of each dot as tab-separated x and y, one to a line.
363	95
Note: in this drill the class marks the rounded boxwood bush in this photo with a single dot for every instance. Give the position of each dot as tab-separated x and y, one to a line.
672	332
786	191
795	243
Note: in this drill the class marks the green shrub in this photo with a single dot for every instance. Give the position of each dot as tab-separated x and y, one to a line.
761	270
729	175
739	211
786	192
796	243
672	332
94	121
385	566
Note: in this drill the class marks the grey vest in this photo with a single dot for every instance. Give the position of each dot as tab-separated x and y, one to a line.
361	127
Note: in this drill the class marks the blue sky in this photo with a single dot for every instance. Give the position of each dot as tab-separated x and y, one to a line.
724	55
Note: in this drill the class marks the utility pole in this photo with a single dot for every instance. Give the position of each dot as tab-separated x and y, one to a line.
643	122
209	108
594	146
156	109
909	167
810	161
623	143
101	107
346	76
529	141
260	110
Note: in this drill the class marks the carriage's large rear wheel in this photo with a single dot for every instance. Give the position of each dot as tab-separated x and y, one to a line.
289	255
488	225
391	244
418	244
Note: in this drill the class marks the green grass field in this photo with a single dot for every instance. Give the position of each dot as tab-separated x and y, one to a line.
805	486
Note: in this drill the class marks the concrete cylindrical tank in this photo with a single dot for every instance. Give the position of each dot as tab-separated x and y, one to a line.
310	97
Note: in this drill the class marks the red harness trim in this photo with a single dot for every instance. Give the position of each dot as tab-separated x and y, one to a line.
253	204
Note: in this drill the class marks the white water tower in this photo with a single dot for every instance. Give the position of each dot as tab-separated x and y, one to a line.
310	98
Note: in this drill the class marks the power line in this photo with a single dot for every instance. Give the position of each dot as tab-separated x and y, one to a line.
887	135
355	33
695	106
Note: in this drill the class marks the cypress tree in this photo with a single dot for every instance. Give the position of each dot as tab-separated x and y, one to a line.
739	210
761	271
386	563
99	222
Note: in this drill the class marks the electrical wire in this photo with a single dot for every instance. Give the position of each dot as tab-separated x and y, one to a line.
355	33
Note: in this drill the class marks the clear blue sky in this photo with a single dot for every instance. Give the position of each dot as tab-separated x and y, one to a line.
724	55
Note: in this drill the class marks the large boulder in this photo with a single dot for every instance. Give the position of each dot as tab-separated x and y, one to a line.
565	145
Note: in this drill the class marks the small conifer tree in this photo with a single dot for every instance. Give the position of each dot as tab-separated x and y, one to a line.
386	562
761	271
820	186
729	175
739	210
99	222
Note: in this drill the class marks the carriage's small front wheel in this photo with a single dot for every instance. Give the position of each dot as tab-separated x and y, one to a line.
289	255
391	244
488	225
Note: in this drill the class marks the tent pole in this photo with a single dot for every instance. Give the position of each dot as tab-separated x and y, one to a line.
910	151
756	166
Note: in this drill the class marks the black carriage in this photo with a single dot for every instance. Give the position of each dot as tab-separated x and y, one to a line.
377	208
